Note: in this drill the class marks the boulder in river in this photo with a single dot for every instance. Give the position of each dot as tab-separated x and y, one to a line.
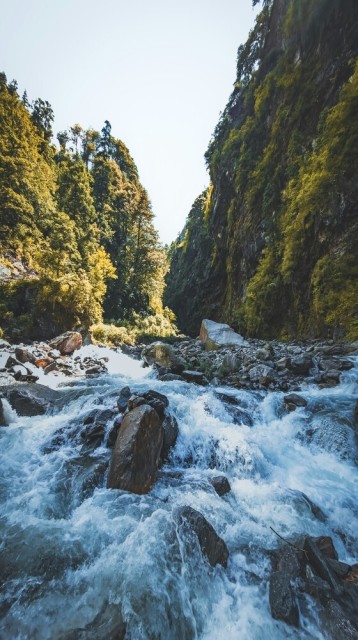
293	401
163	355
31	399
67	342
212	546
215	335
136	454
221	485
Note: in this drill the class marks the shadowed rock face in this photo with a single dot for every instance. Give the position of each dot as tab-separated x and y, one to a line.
137	451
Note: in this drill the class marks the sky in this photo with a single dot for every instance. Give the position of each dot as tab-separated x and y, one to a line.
160	71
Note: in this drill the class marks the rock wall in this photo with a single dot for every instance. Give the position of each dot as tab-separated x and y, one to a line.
270	247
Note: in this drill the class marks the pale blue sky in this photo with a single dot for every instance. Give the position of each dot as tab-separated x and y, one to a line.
159	70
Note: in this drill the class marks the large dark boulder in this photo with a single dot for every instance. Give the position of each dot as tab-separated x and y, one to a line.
212	546
136	455
31	399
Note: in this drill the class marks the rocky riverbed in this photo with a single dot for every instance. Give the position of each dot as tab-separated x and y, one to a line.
179	491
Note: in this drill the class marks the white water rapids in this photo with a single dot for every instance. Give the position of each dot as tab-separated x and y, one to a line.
77	558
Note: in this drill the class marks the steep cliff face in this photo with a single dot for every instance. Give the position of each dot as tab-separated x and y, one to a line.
275	245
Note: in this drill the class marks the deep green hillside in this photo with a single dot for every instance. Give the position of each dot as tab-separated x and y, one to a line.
274	248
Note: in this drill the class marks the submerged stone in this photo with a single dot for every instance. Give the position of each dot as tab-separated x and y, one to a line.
212	546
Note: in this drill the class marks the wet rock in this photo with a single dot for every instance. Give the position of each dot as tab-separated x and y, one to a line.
99	416
332	375
282	600
11	362
93	435
49	368
283	364
337	623
135	401
316	550
123	398
135	458
31	399
3	421
171	432
221	485
163	355
333	433
262	374
232	406
43	362
23	355
213	547
20	370
317	512
341	569
215	335
326	546
194	376
112	437
170	377
4	357
293	400
157	401
301	364
94	370
67	342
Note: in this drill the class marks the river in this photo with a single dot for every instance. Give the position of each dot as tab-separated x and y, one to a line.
77	559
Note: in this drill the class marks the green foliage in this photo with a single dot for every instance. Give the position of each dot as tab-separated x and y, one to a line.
262	306
335	294
78	217
141	329
283	193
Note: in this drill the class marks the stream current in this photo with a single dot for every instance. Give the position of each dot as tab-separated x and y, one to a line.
78	559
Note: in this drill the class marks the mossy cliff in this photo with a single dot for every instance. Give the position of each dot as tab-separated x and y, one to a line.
271	246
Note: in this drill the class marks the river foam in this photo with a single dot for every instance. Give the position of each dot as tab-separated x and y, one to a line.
78	560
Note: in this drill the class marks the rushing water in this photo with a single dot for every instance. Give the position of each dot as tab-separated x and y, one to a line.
77	558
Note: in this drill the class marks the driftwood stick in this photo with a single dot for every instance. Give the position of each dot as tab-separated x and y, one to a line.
288	542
